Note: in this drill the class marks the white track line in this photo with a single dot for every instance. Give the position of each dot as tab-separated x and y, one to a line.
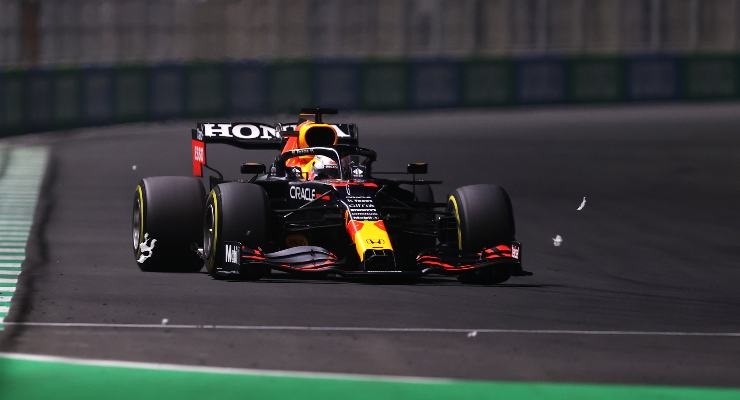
7	289
12	258
221	370
6	272
375	330
13	281
10	265
15	233
5	299
4	309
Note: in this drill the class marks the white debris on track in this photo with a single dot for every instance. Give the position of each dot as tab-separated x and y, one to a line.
133	167
583	204
165	321
145	248
472	334
557	241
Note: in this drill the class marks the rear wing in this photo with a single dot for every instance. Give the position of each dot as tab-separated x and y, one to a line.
253	136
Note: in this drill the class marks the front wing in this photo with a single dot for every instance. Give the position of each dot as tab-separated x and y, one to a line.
312	259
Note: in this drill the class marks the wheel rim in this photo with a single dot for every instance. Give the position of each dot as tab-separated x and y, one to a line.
209	230
136	224
452	207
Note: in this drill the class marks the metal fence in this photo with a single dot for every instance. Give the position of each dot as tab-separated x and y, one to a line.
85	32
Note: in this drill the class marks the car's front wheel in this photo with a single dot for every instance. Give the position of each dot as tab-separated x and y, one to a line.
484	218
234	212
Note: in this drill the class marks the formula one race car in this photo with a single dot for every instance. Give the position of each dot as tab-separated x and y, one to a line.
319	209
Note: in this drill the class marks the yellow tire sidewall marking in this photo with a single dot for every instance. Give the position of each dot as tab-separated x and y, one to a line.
212	250
140	192
457	217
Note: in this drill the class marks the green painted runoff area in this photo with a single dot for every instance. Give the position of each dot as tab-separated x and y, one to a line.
28	380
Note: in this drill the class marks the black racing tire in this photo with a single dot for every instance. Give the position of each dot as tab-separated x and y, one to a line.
235	212
167	216
484	218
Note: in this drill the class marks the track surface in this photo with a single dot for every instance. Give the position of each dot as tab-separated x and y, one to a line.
655	249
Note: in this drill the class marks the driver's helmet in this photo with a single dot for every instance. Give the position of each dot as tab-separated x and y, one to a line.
324	168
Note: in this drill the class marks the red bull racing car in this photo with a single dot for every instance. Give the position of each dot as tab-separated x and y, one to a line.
318	209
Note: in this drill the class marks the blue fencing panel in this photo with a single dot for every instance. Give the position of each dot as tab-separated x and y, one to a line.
38	100
247	86
540	81
435	84
167	92
336	84
97	91
652	78
11	103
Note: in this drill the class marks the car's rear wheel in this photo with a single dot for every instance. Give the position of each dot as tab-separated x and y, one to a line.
166	223
484	218
235	212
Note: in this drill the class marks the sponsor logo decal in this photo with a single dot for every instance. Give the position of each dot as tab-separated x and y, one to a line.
300	193
241	131
199	157
358	172
299	152
362	208
515	251
146	248
375	241
252	130
231	255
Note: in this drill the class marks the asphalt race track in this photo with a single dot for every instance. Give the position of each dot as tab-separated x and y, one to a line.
654	250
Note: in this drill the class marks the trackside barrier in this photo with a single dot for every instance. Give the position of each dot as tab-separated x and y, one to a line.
289	86
336	84
487	83
11	102
167	94
540	81
58	98
67	89
710	77
97	95
653	78
130	94
596	79
435	84
247	87
384	85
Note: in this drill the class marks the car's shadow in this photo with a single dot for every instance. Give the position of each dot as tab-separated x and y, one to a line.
282	278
